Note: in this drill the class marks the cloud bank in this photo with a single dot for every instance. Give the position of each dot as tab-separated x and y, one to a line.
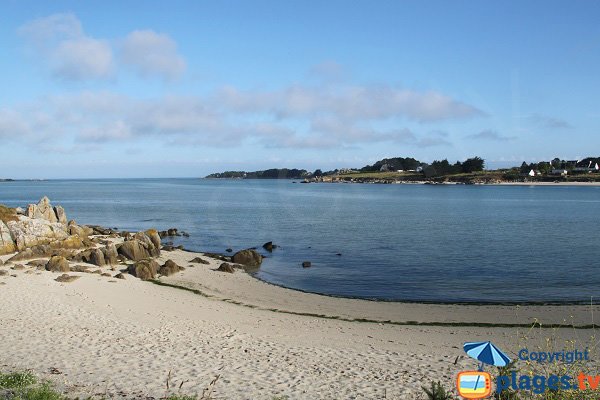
60	44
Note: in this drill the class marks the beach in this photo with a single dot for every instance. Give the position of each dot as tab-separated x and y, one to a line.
106	337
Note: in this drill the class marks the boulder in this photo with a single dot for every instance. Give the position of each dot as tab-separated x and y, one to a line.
225	267
37	263
96	257
57	264
169	268
79	230
64	278
110	254
119	276
154	237
134	250
71	242
61	216
3	273
306	264
199	261
7	245
248	257
144	269
28	232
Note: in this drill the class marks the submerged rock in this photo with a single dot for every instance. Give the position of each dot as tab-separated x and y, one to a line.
269	246
306	264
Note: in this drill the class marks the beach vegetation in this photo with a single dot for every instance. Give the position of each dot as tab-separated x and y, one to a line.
23	385
7	214
437	392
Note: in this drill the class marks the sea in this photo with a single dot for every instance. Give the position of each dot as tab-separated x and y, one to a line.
412	243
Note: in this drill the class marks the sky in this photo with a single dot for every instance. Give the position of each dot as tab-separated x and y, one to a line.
106	89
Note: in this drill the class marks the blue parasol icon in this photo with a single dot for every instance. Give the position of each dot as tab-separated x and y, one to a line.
486	353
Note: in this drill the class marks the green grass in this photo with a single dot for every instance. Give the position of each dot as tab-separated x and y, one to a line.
17	380
23	385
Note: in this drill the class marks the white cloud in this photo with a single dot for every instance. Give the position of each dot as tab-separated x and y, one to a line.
491	135
59	42
350	102
152	54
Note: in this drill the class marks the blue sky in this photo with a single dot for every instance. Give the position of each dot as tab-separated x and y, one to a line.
155	89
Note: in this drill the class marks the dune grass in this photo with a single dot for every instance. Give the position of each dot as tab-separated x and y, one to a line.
7	214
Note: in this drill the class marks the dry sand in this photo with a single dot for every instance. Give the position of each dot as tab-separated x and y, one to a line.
121	338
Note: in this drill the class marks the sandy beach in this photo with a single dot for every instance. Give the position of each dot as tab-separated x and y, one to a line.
106	337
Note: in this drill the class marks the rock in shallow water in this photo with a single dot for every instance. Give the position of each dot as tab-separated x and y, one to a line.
249	257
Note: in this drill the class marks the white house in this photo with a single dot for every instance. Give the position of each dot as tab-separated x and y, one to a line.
559	171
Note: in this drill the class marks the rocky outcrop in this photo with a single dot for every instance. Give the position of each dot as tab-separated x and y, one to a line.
249	258
44	210
27	232
154	237
139	248
79	230
58	264
7	245
144	269
169	268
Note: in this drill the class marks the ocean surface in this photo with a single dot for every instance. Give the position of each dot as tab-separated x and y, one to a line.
435	243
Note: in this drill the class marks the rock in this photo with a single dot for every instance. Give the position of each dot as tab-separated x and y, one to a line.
57	264
269	246
18	267
169	268
218	256
169	232
248	257
144	269
225	267
7	245
154	237
306	264
119	276
185	234
71	242
106	274
229	250
37	263
64	278
42	210
100	230
61	216
199	261
20	211
1	262
81	231
80	268
136	250
97	258
110	254
27	232
3	273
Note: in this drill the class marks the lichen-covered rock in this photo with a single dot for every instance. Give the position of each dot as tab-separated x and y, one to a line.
96	257
7	244
58	264
79	230
144	269
134	250
28	232
61	216
169	268
154	237
249	258
42	210
111	256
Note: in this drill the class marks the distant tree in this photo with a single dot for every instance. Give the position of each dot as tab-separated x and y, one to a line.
430	171
544	167
318	172
524	168
473	164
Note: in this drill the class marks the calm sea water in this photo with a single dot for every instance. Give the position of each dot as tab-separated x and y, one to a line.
397	242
